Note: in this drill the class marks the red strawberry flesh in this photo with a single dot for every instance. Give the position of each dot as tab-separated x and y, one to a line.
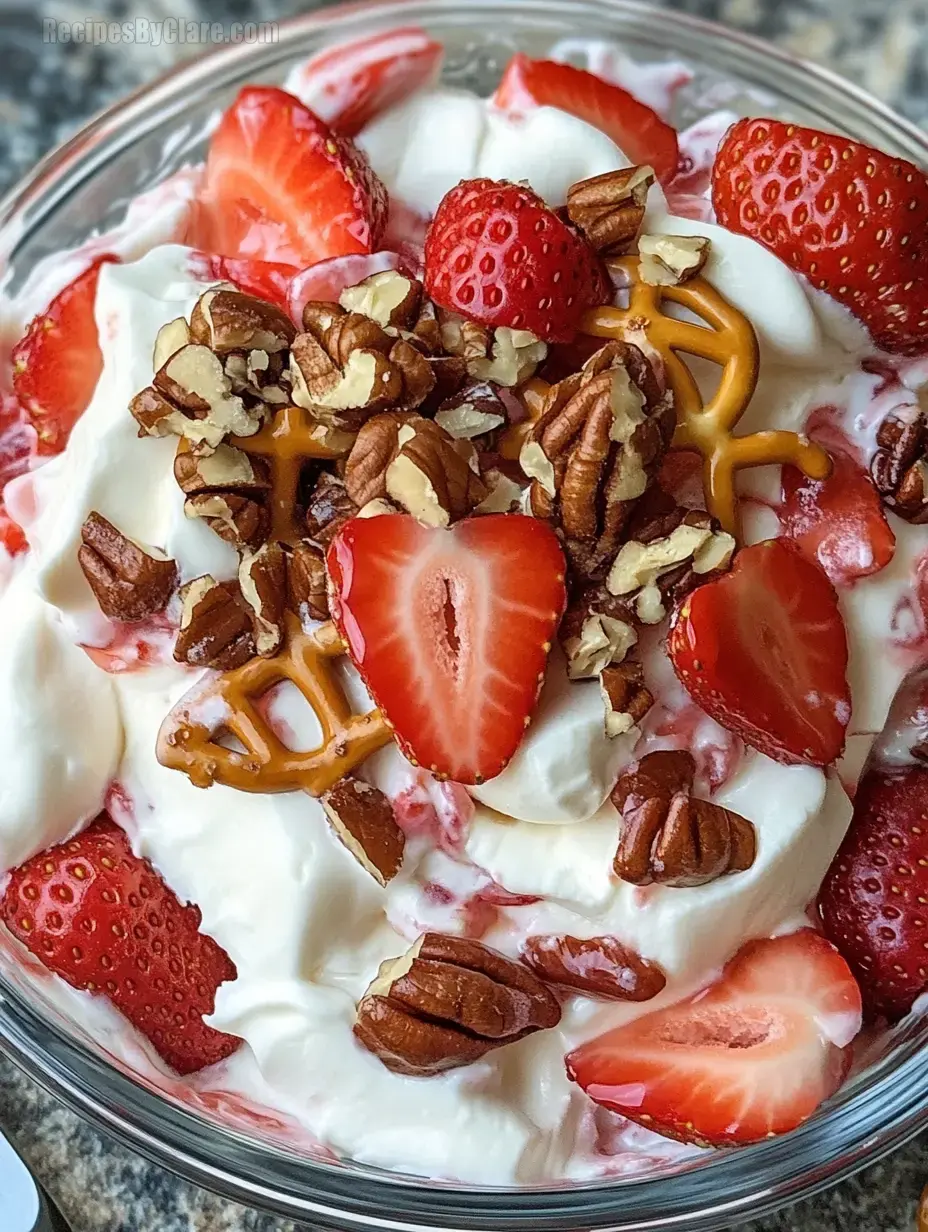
763	651
103	920
450	630
753	1055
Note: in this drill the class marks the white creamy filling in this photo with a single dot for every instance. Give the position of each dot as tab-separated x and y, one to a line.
305	925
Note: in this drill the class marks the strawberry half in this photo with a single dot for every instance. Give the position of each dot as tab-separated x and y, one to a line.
496	254
349	85
763	650
873	897
102	919
852	219
450	630
837	522
57	363
280	186
753	1055
638	131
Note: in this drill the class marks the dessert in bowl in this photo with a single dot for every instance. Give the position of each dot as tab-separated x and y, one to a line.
474	548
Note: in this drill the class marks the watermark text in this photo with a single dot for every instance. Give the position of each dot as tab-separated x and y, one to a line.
170	30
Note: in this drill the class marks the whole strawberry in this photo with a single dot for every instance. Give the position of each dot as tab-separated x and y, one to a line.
495	253
873	899
852	219
102	919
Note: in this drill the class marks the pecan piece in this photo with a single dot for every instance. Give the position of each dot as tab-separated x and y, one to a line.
362	817
388	298
128	581
609	209
626	696
899	467
238	519
503	355
215	626
330	507
262	577
597	966
307	583
447	1002
596	450
474	411
654	574
669	260
226	469
191	396
225	320
598	629
670	838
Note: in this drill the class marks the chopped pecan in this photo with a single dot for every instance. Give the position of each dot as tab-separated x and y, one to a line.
900	465
596	966
389	298
597	630
215	626
503	355
171	337
362	817
225	320
262	577
450	372
330	507
595	451
418	465
669	260
238	519
609	209
626	696
504	495
307	586
227	469
191	396
447	1002
128	581
474	411
669	837
654	575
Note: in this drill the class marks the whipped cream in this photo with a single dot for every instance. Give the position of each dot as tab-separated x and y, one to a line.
529	852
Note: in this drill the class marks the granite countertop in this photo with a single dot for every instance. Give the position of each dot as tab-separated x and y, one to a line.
46	90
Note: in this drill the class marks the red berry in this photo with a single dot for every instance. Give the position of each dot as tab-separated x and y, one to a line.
763	650
102	919
852	219
280	186
495	253
267	280
450	630
754	1055
638	131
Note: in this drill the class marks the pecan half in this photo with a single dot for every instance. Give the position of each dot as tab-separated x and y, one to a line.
362	817
238	519
307	586
225	320
262	577
670	838
626	696
653	574
596	966
609	209
215	626
900	465
418	465
329	507
128	582
596	450
669	260
447	1002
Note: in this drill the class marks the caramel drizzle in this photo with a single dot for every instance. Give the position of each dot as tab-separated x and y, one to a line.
186	742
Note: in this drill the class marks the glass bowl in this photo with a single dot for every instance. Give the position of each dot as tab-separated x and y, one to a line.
86	184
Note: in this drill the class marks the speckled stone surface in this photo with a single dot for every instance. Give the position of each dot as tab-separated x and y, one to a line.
46	91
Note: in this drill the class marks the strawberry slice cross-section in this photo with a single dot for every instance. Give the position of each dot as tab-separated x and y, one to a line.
753	1055
450	630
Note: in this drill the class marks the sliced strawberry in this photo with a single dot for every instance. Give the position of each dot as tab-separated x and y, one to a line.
349	85
838	521
12	536
57	363
852	219
450	630
639	132
102	919
281	187
763	651
495	253
267	280
873	897
754	1055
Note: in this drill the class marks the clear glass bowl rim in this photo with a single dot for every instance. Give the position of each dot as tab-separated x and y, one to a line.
867	1119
